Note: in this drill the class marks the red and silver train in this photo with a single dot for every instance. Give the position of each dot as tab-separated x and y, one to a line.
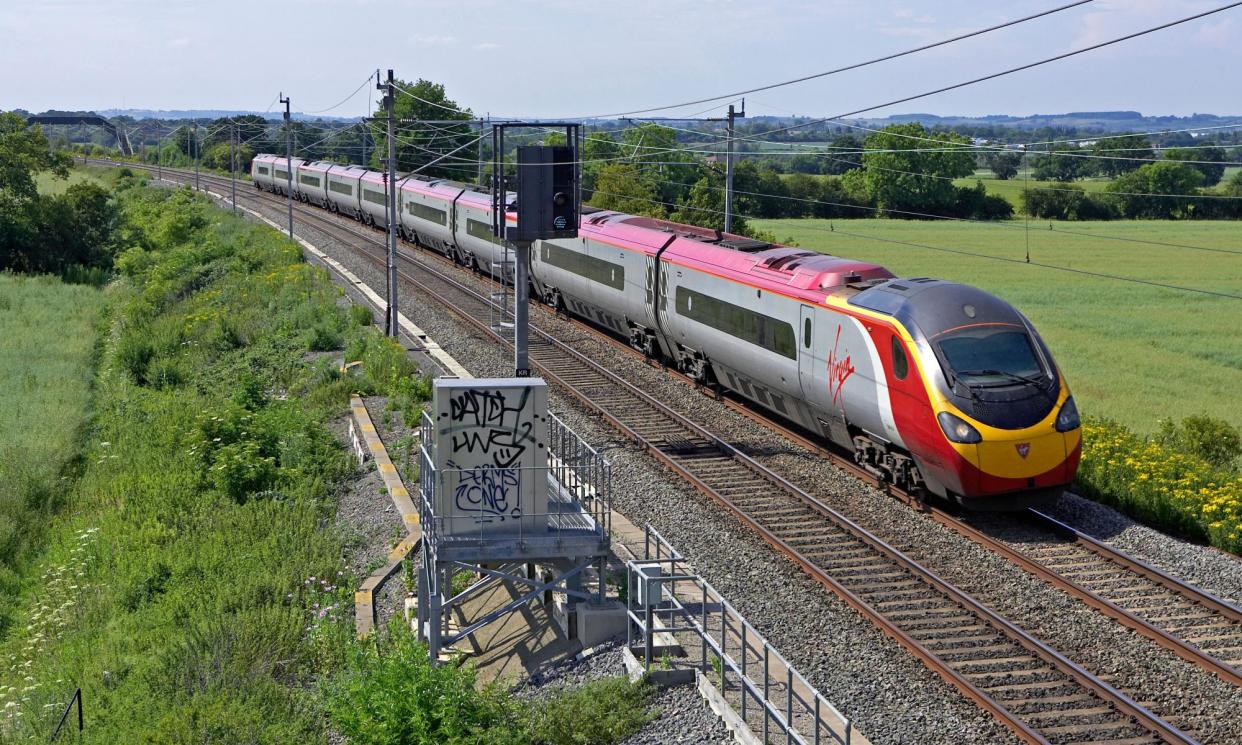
932	384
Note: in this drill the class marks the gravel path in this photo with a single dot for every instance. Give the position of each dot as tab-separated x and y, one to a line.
892	697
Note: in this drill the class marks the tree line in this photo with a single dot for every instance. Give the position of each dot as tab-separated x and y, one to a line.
74	234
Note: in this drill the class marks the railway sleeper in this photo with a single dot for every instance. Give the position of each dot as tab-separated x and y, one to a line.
1020	665
946	629
1021	692
1094	728
989	679
978	640
967	653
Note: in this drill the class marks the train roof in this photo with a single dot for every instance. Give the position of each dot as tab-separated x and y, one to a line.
760	263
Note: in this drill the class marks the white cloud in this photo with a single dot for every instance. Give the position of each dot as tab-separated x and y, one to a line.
435	40
486	46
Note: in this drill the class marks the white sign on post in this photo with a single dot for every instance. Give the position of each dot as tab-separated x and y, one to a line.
491	455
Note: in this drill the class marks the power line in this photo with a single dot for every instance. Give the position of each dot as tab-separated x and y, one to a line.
343	101
847	68
1019	68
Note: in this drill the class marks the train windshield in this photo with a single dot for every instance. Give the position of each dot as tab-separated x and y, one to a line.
992	355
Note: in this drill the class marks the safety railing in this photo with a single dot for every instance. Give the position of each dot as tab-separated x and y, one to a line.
575	486
666	598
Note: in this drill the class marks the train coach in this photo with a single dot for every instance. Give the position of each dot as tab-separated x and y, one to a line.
936	386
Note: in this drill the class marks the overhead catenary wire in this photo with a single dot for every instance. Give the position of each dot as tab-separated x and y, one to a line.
1019	68
846	68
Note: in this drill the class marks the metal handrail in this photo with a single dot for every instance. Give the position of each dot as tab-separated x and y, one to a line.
783	713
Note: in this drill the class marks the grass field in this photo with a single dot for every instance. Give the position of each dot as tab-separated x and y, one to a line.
1130	351
49	184
48	332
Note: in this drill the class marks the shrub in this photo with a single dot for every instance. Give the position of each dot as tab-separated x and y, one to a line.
240	470
390	693
360	315
600	711
165	372
1161	485
1214	440
324	338
135	352
1067	202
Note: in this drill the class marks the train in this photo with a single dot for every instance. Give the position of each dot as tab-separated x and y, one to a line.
938	387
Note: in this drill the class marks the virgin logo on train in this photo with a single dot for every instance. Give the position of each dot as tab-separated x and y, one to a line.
838	369
1023	448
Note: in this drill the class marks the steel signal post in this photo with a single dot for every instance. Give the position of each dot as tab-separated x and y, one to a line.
549	201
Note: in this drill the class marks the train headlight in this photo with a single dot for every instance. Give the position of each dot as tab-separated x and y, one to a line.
1067	419
958	430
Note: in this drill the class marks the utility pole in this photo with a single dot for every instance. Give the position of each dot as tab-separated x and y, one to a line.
479	152
288	160
196	149
233	164
159	158
728	221
391	325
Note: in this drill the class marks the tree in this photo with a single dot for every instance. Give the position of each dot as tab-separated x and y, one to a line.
1122	154
24	153
1136	191
1062	165
1210	161
845	155
417	145
905	169
599	150
662	164
1004	163
620	187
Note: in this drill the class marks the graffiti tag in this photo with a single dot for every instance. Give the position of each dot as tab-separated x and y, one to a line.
489	493
487	423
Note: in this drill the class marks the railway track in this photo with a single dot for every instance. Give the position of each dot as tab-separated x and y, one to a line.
1035	691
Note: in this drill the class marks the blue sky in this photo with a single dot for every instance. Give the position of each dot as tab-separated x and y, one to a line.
581	57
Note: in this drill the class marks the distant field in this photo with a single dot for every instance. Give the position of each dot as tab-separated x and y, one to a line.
1131	352
1011	189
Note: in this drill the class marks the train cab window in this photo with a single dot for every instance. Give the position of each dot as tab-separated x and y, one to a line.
806	333
901	365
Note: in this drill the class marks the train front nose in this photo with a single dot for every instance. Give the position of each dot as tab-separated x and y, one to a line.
1038	458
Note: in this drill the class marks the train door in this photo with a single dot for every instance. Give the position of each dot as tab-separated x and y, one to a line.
806	352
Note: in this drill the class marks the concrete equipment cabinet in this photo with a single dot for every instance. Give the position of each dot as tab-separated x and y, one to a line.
504	486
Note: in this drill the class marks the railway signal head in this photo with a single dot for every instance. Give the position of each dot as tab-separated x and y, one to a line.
547	201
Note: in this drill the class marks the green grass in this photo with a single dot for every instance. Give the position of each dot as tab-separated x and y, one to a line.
1011	189
1131	352
172	585
50	184
47	357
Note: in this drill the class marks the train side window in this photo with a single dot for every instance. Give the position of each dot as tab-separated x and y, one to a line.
901	365
806	333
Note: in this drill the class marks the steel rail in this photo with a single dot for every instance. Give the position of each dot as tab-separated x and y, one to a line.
1084	678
